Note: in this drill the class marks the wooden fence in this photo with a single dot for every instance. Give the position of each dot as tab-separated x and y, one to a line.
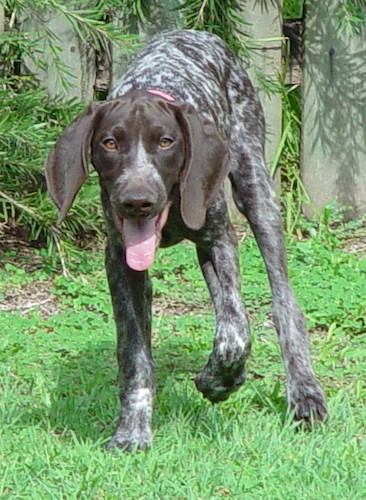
333	155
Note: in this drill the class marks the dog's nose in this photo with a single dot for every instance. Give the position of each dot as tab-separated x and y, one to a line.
137	204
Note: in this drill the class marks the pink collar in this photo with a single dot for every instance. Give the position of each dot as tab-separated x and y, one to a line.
161	93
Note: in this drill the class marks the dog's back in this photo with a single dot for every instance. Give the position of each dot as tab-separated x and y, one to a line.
194	67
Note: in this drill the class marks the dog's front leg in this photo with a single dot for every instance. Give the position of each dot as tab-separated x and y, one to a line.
131	297
225	370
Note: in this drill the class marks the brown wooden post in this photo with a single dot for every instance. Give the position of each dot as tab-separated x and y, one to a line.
333	160
77	56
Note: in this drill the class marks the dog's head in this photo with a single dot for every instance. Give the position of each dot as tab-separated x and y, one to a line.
142	146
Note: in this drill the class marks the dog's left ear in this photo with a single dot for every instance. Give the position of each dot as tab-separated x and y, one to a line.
206	165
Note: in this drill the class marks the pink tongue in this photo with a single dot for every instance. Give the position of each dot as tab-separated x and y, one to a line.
140	241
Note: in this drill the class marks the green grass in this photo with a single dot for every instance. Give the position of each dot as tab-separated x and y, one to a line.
59	393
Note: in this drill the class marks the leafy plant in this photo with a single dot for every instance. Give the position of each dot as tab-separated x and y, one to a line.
29	124
293	9
287	159
30	121
221	17
351	15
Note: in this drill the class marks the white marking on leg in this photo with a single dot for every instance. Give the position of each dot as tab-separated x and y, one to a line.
141	399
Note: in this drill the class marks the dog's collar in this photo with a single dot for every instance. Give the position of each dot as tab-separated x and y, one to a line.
161	93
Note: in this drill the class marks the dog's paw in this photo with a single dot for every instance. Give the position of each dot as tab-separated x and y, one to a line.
134	429
229	353
232	344
307	400
217	382
130	441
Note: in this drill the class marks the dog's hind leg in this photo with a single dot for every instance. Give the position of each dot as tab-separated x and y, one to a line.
255	198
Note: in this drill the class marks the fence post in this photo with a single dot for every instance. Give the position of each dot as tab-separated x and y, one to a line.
333	160
77	56
265	20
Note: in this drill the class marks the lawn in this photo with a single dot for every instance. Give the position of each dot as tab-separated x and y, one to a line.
59	393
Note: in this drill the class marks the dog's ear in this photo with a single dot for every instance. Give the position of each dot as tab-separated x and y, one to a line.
66	166
206	166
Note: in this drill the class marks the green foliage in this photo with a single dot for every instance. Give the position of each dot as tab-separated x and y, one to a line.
29	124
92	25
30	121
331	284
287	159
59	397
352	15
221	17
293	9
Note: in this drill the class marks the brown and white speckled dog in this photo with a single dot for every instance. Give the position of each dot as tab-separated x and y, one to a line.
182	118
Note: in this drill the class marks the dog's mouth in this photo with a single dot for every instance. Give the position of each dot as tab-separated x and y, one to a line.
142	238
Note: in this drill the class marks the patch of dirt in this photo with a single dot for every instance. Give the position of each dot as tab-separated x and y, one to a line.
172	307
34	295
17	251
356	245
15	248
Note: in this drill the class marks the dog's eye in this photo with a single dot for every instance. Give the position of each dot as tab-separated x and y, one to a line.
110	144
165	142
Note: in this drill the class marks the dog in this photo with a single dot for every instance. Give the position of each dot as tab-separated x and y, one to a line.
182	118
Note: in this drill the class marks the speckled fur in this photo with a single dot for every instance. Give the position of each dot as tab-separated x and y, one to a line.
198	68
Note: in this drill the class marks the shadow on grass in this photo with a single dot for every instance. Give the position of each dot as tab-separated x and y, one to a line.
84	400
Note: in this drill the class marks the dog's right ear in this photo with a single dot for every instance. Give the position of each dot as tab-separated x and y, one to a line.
67	164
